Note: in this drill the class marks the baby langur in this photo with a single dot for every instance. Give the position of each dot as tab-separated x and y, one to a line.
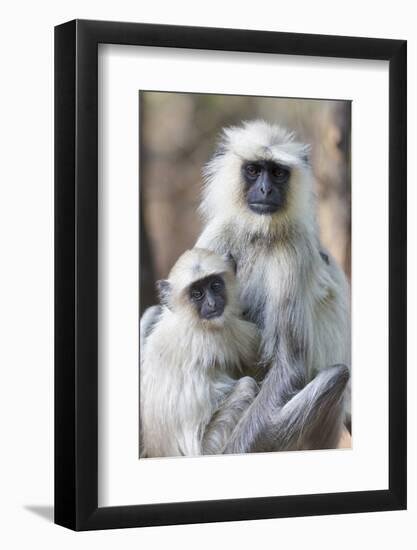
192	393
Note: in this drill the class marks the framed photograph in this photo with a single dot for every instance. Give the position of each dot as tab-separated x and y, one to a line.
230	275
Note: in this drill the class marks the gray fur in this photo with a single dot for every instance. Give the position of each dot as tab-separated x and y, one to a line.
310	420
299	300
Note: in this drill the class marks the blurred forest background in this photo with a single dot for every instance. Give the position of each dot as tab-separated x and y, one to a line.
179	132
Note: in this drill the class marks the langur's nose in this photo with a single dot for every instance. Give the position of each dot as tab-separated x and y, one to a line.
266	188
211	303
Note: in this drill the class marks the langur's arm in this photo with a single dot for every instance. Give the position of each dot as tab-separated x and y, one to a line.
228	415
147	322
283	350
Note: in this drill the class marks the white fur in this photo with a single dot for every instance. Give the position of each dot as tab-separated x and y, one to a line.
190	366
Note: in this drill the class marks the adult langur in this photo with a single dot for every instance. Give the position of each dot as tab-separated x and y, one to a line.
259	206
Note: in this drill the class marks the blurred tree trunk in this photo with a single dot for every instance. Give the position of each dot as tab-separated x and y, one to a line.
147	293
331	159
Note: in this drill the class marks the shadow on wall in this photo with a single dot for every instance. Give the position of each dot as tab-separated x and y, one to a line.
45	512
178	135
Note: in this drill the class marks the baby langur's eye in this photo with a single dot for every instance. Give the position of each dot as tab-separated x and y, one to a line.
196	294
216	286
252	170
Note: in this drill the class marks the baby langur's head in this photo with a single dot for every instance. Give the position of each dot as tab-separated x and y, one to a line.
201	286
259	177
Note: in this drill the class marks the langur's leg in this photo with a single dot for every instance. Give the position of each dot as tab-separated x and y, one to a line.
311	419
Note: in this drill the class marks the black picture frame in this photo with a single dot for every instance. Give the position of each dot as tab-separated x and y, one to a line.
76	272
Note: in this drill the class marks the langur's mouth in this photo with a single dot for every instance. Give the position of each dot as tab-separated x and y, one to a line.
213	315
263	207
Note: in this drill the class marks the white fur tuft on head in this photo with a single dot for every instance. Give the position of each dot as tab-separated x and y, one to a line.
258	139
196	264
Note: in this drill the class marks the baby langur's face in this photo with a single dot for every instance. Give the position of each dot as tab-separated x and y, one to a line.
209	296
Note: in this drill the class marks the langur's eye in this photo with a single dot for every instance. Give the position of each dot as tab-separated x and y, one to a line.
216	286
252	170
196	294
279	172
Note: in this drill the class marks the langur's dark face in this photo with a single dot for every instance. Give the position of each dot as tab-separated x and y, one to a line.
209	296
266	185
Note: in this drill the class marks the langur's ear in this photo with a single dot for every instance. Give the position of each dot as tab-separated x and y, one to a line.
231	261
164	291
220	150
